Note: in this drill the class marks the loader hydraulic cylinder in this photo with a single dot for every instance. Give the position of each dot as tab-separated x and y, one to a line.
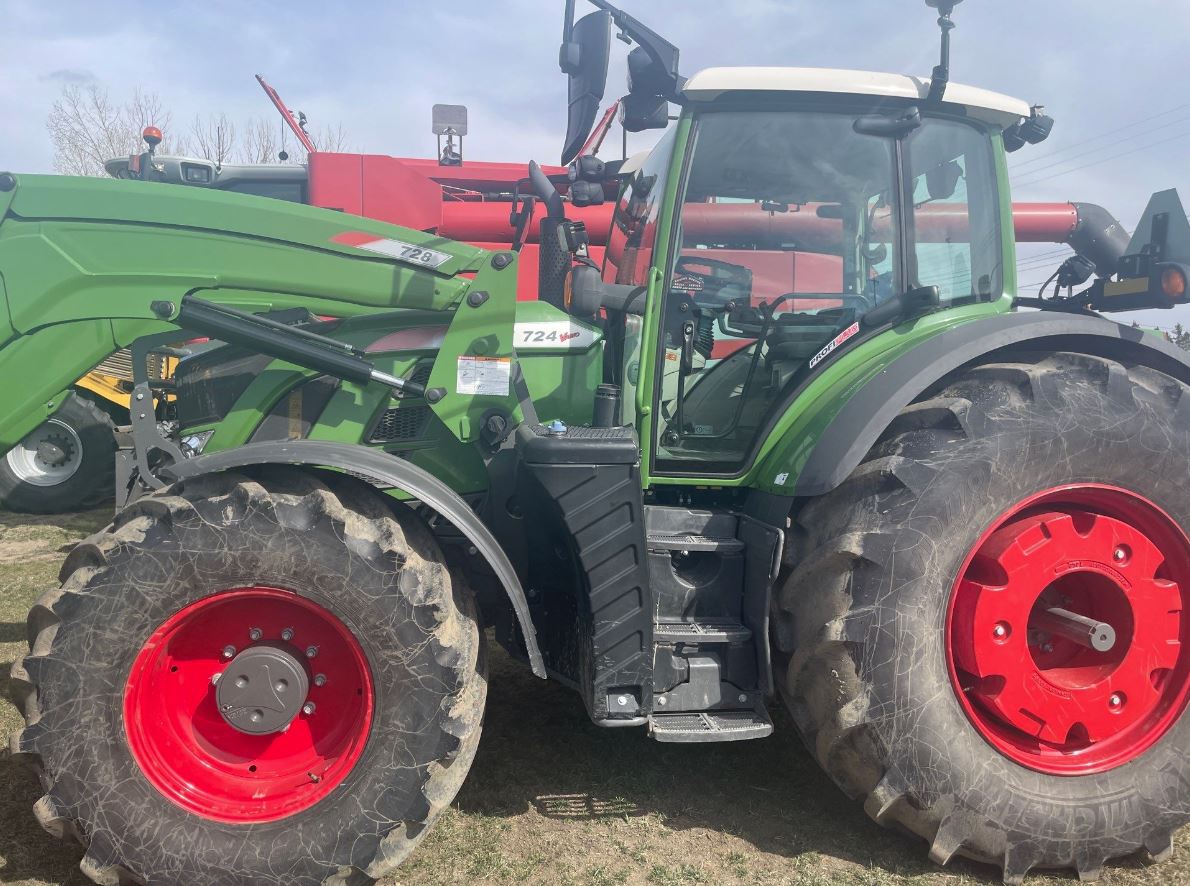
298	346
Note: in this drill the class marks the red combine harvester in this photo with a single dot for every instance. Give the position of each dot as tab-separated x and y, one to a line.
483	203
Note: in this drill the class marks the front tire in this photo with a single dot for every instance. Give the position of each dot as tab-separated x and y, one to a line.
345	598
67	463
914	665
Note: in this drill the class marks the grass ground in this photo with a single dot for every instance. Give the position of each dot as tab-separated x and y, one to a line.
553	799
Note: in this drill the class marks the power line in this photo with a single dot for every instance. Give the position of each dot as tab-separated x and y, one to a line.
1179	121
1042	256
1038	265
1102	135
1049	256
1034	181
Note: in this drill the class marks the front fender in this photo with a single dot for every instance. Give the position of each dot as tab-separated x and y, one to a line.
383	468
859	422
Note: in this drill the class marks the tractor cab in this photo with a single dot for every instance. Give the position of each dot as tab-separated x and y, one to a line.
788	217
793	224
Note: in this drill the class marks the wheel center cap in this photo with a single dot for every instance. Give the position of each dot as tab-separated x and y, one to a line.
51	453
262	690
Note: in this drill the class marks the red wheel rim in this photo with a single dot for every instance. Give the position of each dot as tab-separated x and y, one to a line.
196	759
1046	701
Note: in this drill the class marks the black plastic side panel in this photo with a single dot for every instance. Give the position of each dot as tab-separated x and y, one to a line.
588	566
388	471
865	416
696	587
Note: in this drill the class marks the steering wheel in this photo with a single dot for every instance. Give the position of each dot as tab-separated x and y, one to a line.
725	284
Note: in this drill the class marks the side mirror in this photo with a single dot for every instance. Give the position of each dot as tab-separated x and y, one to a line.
583	58
646	106
641	112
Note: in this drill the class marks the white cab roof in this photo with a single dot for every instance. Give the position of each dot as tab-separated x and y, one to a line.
981	103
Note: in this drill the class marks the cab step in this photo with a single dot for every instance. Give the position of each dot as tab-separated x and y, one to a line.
710	726
700	632
694	543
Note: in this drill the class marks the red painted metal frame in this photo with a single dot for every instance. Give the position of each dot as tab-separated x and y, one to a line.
471	202
287	116
1044	701
192	756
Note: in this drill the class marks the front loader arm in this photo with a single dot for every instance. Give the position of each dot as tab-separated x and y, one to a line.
89	265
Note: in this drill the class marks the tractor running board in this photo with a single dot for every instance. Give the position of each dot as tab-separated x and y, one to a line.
710	726
690	543
700	632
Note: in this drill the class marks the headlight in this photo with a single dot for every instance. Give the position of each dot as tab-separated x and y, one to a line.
193	444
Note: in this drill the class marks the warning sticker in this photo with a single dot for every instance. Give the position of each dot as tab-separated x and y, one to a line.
484	375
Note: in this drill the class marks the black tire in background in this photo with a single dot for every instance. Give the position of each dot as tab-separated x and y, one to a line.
375	568
861	620
65	464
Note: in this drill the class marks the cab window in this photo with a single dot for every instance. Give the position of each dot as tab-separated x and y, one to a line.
791	229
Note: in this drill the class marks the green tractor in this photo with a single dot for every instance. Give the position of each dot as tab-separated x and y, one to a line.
791	440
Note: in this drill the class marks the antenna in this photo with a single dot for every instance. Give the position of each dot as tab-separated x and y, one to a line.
941	76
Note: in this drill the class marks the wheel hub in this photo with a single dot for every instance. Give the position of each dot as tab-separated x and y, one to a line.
51	454
54	451
262	690
1066	631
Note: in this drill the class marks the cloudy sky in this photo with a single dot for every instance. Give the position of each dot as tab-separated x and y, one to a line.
1111	73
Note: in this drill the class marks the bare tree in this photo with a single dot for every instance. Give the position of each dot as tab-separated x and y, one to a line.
88	128
261	142
332	138
214	137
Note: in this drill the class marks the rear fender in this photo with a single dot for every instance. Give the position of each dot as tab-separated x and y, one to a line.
383	469
860	421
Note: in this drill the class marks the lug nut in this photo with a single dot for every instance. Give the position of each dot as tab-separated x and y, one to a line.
287	634
1120	554
1000	631
215	678
229	651
255	634
308	708
1116	701
311	651
320	679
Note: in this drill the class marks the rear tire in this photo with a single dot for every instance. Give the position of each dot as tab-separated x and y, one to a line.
73	469
863	618
340	559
